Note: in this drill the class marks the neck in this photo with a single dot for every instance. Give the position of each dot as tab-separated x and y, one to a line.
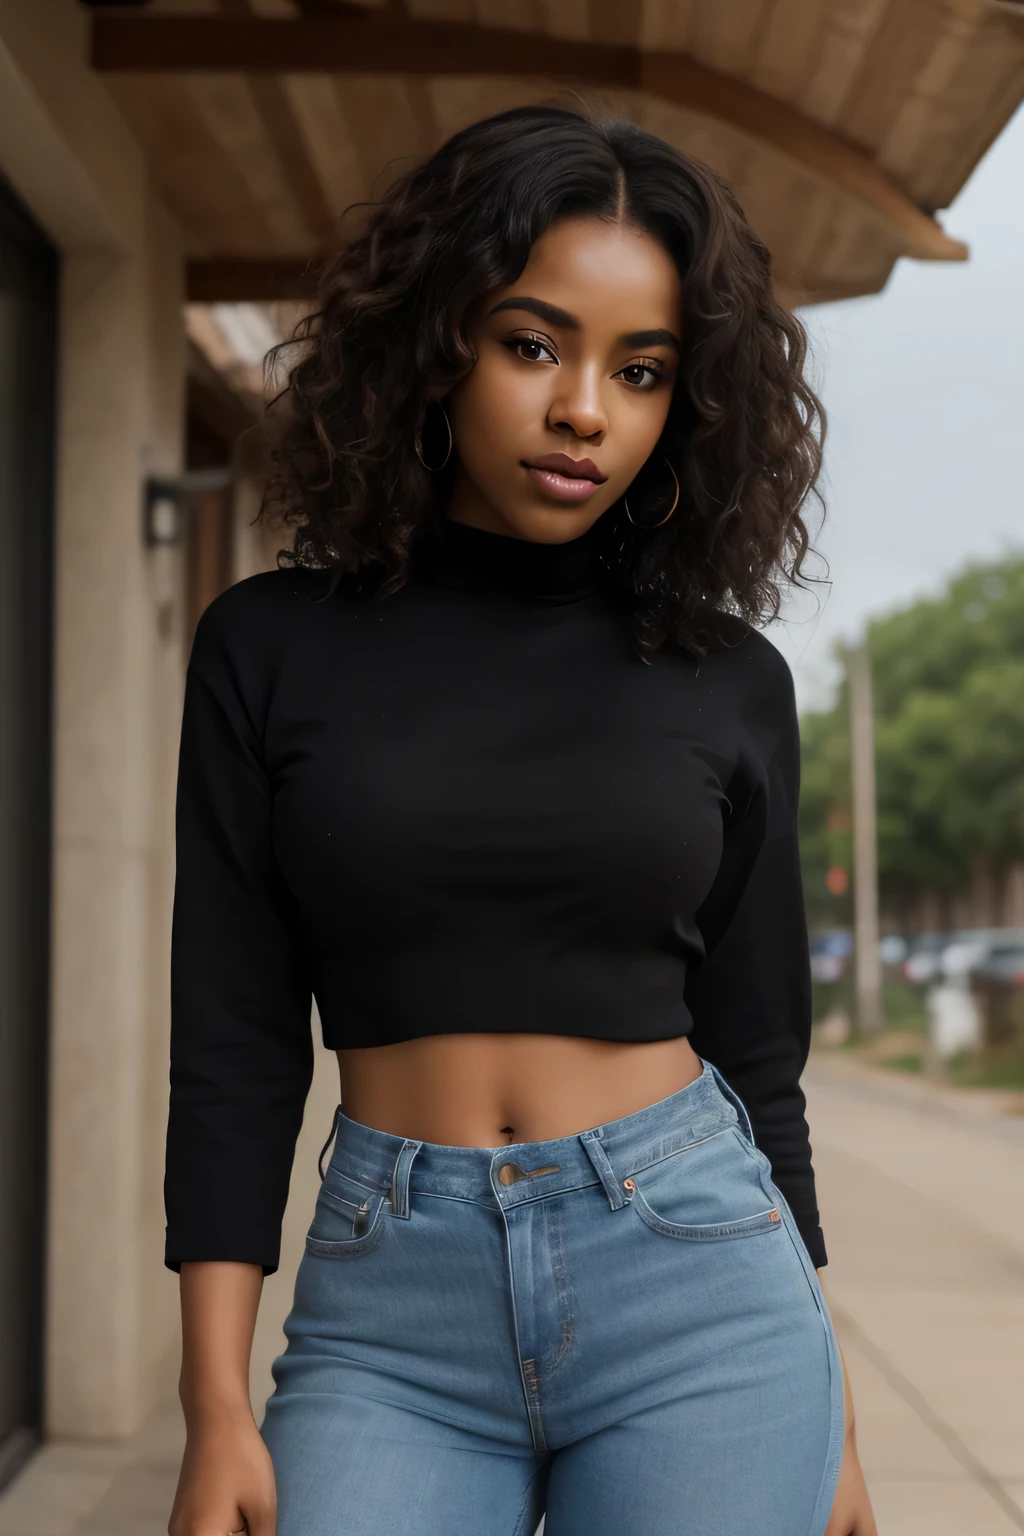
458	554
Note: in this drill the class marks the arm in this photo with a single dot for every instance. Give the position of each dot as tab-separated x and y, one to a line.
751	1006
241	1062
750	999
226	1482
241	1040
852	1514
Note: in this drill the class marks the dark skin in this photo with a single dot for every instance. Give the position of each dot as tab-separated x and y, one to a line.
577	357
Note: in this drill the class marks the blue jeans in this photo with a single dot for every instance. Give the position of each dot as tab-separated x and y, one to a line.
620	1330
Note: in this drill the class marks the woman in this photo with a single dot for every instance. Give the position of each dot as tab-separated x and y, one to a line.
499	771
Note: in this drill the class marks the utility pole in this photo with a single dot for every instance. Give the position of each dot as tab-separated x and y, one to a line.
867	961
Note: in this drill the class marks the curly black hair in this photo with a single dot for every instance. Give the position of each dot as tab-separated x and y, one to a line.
389	337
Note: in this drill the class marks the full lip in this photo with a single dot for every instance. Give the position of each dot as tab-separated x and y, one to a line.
568	468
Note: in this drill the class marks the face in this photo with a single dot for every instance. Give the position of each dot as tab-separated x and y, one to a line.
575	365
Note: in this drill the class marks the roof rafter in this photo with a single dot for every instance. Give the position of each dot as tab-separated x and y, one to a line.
250	279
264	280
285	135
388	44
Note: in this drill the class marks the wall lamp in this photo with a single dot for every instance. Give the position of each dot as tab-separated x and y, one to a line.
165	502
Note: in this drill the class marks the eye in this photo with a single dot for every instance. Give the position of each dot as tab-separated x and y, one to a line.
641	375
531	349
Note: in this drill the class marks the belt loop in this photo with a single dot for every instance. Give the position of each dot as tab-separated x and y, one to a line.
400	1179
323	1149
737	1103
602	1167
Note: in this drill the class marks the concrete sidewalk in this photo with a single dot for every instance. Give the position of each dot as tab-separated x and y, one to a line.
127	1490
921	1195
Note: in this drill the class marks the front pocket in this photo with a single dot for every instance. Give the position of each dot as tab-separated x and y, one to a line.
347	1226
746	1226
709	1191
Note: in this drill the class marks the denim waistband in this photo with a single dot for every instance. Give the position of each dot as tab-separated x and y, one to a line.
516	1172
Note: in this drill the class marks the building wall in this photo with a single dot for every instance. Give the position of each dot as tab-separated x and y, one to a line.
69	155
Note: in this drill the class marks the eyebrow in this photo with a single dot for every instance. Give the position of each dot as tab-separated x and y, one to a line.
554	315
656	338
544	311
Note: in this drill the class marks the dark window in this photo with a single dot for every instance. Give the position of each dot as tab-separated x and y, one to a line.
28	336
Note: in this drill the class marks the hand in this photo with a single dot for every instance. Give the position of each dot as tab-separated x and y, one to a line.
226	1483
851	1508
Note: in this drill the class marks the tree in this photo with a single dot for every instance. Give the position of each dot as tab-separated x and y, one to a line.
949	699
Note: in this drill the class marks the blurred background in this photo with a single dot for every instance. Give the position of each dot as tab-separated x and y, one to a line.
170	174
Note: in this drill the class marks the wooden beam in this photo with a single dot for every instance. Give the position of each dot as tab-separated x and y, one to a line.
385	43
828	291
245	280
371	43
825	155
275	110
241	280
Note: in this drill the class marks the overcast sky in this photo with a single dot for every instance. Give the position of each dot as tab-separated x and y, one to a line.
924	389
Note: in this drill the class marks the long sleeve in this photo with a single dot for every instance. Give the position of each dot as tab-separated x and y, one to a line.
751	997
241	1039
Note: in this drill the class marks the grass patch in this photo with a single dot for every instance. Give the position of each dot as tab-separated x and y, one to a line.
904	1008
901	1044
910	1063
992	1068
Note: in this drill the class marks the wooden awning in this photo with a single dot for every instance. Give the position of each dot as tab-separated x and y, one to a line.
843	125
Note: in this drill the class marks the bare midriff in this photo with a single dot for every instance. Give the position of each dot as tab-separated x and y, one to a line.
489	1090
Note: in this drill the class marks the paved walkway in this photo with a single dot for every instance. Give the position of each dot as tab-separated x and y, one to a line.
923	1197
921	1192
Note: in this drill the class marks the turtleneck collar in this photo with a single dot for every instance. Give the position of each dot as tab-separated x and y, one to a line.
454	554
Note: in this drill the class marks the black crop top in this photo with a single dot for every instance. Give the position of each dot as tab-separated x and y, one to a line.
470	807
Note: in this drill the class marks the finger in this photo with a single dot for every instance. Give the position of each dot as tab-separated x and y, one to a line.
261	1520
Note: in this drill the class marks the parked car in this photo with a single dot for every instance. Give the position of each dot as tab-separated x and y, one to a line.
995	986
829	953
971	950
892	949
1003	966
924	955
831	950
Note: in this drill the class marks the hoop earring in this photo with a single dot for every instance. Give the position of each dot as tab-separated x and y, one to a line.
668	514
434	469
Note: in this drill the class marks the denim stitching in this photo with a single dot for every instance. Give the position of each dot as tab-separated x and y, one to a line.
833	1462
345	1205
563	1288
350	1247
657	1161
524	1508
719	1231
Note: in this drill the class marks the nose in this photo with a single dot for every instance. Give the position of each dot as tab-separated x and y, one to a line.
578	407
